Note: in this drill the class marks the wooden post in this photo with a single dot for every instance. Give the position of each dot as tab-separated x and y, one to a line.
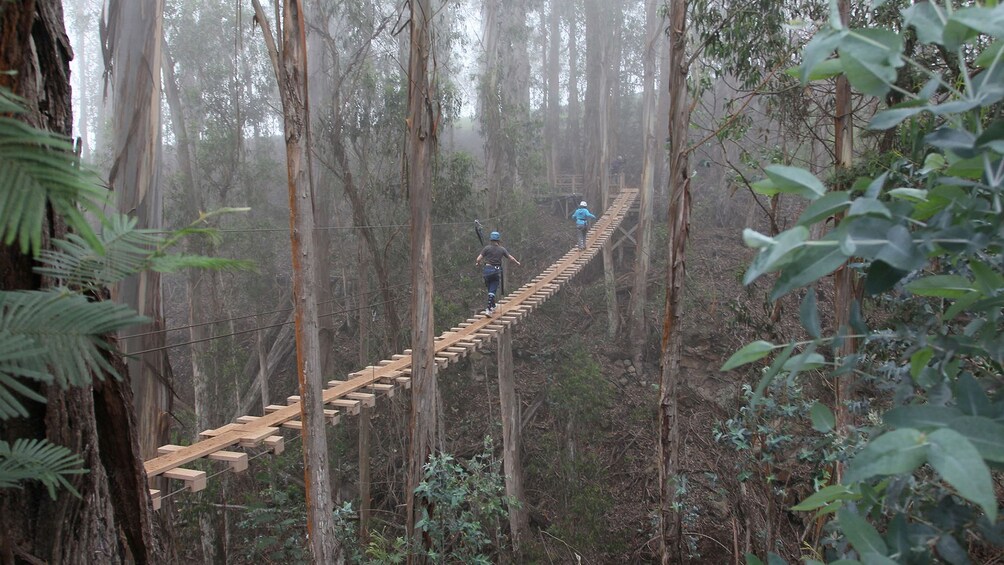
511	438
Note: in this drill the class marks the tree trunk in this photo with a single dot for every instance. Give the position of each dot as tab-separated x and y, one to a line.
111	522
421	147
650	156
134	39
672	339
574	137
845	280
290	65
552	120
511	439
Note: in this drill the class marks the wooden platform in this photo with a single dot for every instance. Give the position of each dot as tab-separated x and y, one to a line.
388	376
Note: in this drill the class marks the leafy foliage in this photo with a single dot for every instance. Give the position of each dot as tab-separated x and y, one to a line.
57	336
39	460
39	169
928	232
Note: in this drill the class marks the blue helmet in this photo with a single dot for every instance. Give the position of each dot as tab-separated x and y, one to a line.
495	236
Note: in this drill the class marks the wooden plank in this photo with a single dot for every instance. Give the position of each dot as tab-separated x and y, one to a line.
273	408
238	461
219	431
350	406
194	480
404	381
366	398
246	419
276	444
293	425
386	389
155	496
253	437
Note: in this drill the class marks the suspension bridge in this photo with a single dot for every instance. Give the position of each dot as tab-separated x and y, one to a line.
345	397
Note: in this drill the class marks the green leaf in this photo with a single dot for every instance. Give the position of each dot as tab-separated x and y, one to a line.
921	416
943	286
809	265
827	69
989	54
748	354
777	254
868	206
988	281
771	373
756	240
808	314
39	460
959	463
899	251
824	207
795	180
925	18
818	50
862	535
892	117
765	187
870	58
986	435
881	277
896	452
39	169
919	360
970	396
824	496
752	559
909	194
822	417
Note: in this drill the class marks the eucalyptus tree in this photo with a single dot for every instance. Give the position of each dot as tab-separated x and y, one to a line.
290	66
670	520
504	99
422	142
639	295
94	422
132	33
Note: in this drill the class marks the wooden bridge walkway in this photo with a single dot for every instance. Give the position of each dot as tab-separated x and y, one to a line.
386	376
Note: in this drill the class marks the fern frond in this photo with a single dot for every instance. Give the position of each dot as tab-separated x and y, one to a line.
173	262
63	331
124	252
39	460
39	167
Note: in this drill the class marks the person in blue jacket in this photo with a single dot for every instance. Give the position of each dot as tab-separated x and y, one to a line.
582	215
492	255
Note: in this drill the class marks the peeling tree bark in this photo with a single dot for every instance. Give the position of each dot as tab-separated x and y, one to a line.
672	339
134	37
112	521
651	153
422	123
290	65
511	439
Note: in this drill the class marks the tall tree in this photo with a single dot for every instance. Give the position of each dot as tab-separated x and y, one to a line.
133	39
650	161
676	271
422	123
553	110
290	65
112	520
573	137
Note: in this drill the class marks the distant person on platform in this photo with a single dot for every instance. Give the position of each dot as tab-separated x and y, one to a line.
582	215
492	255
616	166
